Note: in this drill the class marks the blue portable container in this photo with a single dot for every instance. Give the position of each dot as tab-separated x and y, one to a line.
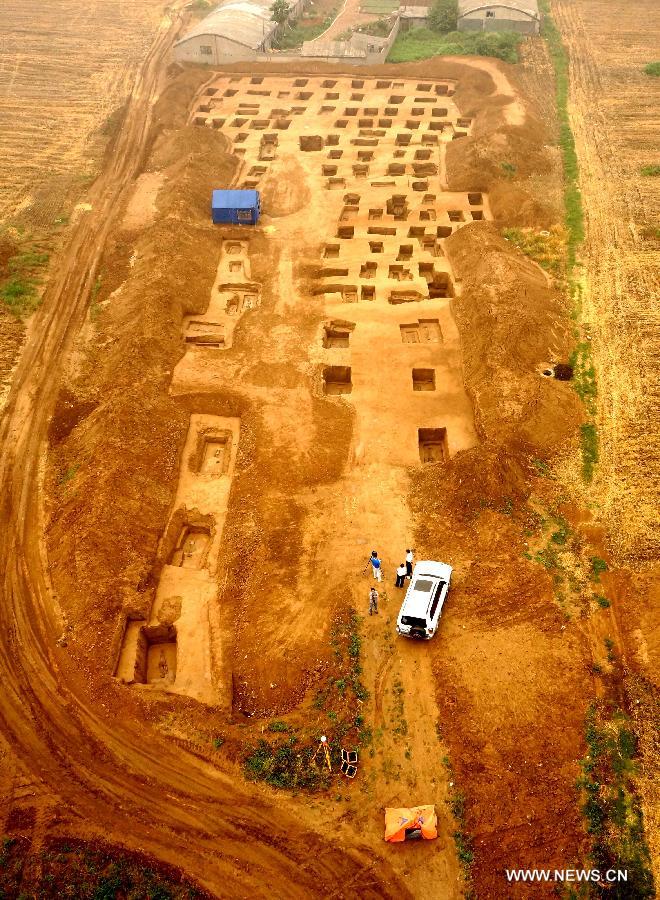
235	207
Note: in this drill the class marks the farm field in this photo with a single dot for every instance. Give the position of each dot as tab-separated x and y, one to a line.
211	427
66	67
614	109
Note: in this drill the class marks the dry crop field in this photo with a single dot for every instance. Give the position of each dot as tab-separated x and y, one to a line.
615	118
65	67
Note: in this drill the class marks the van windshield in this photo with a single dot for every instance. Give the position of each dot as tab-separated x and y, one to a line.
413	622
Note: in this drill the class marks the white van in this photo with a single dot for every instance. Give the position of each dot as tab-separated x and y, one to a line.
422	605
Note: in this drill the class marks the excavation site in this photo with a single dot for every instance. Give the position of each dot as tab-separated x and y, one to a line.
327	568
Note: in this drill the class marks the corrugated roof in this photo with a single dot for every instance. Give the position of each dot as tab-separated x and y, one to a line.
247	22
234	199
527	6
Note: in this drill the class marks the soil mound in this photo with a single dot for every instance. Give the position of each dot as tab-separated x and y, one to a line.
283	196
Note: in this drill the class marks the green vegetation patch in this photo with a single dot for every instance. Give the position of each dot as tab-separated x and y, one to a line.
589	450
19	291
295	37
462	840
423	43
650	171
379	7
609	801
652	68
547	248
573	211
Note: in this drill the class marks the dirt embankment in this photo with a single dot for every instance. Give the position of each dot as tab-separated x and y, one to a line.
513	325
116	434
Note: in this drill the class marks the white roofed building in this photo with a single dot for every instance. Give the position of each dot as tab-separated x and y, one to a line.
236	30
499	15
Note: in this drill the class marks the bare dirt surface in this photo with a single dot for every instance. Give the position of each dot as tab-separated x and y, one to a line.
194	474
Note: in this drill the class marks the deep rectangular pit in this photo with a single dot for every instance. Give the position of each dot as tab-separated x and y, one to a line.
368	270
337	334
213	453
367	293
477	214
192	547
337	380
455	215
311	142
381	229
423	379
433	445
155	661
331	251
398	296
205	334
332	140
475	199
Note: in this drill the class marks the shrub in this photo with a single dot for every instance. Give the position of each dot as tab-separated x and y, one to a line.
443	17
653	69
650	171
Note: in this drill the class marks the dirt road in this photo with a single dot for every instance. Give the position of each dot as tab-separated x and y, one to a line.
151	795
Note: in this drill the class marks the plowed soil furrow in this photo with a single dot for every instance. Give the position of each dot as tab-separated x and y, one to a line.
613	109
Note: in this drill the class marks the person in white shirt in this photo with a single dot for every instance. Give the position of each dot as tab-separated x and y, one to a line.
409	563
400	576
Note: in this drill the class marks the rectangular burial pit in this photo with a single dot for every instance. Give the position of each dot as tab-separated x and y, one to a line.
213	453
424	331
337	380
423	379
205	334
433	446
156	655
337	334
192	547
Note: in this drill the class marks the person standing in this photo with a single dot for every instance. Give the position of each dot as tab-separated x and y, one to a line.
376	565
373	601
409	562
400	576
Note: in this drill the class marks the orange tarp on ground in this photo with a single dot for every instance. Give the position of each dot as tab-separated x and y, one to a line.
400	821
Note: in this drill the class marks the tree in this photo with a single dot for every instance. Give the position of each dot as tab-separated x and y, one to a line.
280	12
443	16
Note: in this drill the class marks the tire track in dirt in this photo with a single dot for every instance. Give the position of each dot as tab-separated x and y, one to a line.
142	793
